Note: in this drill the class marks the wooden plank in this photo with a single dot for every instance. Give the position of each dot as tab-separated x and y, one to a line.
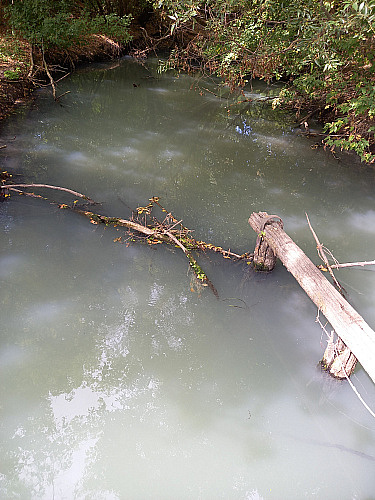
344	319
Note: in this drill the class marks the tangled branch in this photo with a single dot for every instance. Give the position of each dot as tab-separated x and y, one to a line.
143	226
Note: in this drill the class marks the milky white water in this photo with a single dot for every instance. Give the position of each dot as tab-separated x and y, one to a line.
120	379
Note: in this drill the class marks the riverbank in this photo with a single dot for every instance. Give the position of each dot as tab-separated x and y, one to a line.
15	86
20	73
16	82
349	132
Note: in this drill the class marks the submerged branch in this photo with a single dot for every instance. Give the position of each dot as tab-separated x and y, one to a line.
161	236
350	264
321	252
170	230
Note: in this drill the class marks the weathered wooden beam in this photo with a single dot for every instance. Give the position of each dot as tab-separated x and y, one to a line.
344	319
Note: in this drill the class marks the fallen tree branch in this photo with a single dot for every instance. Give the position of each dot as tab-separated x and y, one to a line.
158	235
194	264
48	186
24	193
170	230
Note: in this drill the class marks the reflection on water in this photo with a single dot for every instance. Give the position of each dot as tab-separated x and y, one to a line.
119	377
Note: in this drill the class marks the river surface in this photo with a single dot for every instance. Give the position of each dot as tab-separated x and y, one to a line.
123	379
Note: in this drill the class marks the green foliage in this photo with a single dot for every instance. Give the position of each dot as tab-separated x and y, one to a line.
362	102
62	23
351	132
113	26
119	7
198	271
12	51
12	74
326	48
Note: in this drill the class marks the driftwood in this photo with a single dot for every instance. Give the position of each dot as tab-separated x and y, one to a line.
264	257
352	329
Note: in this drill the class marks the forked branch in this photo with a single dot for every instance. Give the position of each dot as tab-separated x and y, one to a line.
142	225
321	252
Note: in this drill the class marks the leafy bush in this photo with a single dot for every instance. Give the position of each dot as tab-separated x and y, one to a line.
61	23
12	74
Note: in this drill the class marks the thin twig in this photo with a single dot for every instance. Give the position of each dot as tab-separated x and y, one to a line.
58	188
322	255
353	264
62	78
174	225
61	95
49	75
177	242
24	193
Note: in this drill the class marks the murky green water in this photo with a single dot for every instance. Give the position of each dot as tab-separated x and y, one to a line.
121	380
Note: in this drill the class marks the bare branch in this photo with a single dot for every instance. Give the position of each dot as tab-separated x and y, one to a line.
322	255
58	188
49	76
353	264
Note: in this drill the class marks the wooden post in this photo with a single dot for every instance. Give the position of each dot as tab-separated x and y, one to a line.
338	359
264	258
350	327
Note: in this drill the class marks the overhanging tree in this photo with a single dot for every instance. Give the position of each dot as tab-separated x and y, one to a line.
325	48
